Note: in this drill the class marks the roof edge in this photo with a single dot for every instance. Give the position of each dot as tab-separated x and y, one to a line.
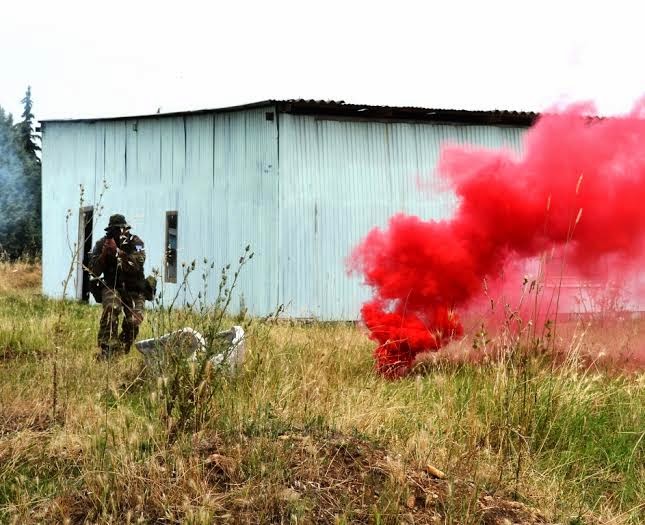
407	113
341	110
226	109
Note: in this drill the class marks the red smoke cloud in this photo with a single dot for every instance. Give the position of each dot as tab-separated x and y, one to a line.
579	182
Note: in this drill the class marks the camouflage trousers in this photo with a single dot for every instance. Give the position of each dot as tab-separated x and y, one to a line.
115	303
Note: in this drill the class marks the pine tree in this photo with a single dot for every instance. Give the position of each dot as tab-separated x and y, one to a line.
20	184
13	206
29	225
27	140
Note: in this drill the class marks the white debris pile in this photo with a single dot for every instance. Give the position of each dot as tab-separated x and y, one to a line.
191	343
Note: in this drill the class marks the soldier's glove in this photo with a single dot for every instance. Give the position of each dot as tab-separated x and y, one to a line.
109	248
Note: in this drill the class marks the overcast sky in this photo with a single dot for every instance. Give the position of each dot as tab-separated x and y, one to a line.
87	58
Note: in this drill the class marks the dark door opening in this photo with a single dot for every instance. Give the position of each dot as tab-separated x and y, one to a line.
86	220
171	247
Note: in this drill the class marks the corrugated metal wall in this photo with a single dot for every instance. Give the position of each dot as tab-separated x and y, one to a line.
339	179
218	171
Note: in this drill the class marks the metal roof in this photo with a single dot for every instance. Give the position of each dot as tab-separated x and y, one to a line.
340	109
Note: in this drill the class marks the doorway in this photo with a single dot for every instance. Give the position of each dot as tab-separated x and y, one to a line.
85	223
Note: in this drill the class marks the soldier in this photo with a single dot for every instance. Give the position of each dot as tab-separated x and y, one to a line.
119	256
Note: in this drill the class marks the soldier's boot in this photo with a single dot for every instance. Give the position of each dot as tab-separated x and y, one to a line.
108	350
104	353
109	325
126	342
129	331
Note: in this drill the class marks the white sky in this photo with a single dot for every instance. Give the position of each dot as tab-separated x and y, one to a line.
88	58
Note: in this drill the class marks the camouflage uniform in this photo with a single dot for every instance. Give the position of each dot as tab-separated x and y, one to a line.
123	287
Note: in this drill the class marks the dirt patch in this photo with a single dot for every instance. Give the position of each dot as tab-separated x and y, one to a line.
8	353
18	418
296	477
323	478
19	276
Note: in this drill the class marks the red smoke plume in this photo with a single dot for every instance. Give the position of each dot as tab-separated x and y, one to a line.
580	182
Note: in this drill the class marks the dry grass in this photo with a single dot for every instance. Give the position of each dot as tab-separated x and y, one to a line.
307	433
19	277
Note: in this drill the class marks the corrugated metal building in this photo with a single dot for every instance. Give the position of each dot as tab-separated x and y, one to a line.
302	182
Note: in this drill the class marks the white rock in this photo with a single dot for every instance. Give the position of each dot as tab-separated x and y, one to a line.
191	342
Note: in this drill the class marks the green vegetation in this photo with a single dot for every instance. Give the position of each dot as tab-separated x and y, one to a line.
307	433
20	184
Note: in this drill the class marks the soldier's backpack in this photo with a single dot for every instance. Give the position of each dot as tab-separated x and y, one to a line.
96	289
150	288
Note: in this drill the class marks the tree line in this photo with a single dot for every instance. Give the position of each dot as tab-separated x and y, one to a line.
20	184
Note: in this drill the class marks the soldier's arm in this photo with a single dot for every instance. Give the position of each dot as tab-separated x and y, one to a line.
96	262
132	260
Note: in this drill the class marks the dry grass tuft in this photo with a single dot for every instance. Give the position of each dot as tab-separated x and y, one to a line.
322	478
19	416
19	276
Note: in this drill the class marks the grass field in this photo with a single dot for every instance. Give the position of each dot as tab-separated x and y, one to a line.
307	433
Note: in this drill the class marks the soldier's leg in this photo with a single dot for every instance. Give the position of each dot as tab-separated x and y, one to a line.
132	319
109	324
